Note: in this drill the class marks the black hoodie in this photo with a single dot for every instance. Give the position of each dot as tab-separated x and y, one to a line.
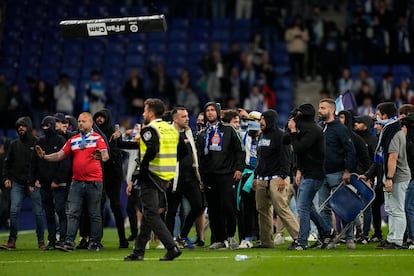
273	157
48	172
308	143
225	159
20	155
113	167
363	161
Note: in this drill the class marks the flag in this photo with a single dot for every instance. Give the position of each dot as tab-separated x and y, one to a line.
346	101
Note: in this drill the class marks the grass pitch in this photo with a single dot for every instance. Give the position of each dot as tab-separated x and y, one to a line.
365	260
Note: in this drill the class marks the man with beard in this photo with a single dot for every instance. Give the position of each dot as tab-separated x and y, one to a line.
340	160
158	149
53	184
16	175
112	173
221	155
88	149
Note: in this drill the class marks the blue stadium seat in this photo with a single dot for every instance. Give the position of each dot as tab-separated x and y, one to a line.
241	23
136	48
155	47
114	60
135	61
175	35
201	35
279	47
180	23
93	60
71	60
177	60
379	70
282	70
280	59
220	35
282	83
354	70
159	37
116	48
177	48
403	71
199	47
200	23
222	23
240	35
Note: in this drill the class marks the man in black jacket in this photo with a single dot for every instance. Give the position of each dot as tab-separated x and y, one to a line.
340	159
16	175
221	155
52	182
308	143
112	173
272	180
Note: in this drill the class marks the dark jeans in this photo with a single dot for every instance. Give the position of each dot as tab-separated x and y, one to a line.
17	194
247	217
193	194
376	210
55	201
91	194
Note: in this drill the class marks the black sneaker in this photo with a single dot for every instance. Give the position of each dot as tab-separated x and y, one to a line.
376	239
171	254
199	242
134	257
65	248
49	247
83	244
297	246
131	238
327	239
362	240
95	246
388	245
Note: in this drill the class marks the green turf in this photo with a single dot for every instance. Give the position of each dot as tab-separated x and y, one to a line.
365	260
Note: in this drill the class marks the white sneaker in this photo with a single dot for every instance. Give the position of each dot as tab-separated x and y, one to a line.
233	243
279	239
160	246
411	246
350	244
147	246
217	245
246	244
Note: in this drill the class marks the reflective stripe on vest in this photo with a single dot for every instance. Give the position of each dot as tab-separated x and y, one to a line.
164	163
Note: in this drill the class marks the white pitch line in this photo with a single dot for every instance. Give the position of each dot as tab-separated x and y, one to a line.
197	258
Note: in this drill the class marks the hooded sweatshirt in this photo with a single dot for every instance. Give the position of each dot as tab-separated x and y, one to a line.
44	171
363	161
308	143
219	147
113	167
20	155
273	157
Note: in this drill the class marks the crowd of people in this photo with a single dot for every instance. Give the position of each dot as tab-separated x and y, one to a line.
238	169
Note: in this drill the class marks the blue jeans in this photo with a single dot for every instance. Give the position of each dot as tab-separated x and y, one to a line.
409	209
331	182
306	210
17	194
89	193
54	201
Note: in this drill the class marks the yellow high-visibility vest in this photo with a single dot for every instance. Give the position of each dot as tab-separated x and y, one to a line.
164	163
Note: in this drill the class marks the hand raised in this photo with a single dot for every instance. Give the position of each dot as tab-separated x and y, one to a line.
40	152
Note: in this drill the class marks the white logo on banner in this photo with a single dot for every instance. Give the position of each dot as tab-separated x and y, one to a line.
96	29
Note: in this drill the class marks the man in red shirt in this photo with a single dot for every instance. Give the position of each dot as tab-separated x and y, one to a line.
88	149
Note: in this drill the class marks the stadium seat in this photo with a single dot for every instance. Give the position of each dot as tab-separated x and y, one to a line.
199	47
379	70
177	48
354	70
155	47
135	48
220	35
176	35
180	23
403	71
135	61
221	23
282	70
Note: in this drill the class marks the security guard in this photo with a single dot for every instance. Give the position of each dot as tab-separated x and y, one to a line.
158	147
